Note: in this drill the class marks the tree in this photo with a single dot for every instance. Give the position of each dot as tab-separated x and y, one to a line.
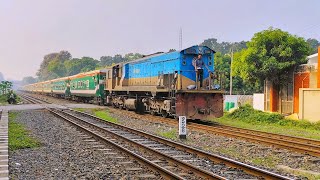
1	77
270	55
132	56
77	65
109	60
5	86
223	47
52	65
314	44
28	80
105	60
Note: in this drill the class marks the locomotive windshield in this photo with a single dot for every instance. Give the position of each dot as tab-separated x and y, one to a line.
197	50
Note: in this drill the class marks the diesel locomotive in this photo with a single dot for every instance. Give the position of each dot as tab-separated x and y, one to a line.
161	84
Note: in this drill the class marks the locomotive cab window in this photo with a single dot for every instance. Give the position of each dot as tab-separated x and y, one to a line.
209	61
207	51
109	74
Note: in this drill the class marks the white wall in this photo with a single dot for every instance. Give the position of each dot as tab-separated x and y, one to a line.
258	101
238	99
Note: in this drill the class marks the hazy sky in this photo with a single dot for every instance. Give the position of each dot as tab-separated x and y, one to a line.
30	29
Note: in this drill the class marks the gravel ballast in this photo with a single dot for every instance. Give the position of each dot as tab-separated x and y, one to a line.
64	154
273	159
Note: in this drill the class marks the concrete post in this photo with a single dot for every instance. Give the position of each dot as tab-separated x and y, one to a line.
318	73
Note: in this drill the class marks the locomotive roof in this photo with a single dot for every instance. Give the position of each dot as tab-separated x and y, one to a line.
162	53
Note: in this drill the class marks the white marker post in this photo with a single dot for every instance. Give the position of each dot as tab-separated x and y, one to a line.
182	127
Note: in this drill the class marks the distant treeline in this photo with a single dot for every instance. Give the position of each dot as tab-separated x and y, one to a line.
62	64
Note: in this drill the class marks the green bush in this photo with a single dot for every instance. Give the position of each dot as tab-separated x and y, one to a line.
19	136
246	113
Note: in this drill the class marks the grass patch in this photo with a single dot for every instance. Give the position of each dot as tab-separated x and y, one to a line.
247	117
268	161
171	134
3	99
230	151
80	109
311	175
104	114
19	137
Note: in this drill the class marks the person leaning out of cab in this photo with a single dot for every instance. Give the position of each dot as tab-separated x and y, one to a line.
198	64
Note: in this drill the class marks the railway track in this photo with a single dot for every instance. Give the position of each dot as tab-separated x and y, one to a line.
170	159
296	144
175	160
32	100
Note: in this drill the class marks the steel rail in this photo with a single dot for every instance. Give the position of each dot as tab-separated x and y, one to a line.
213	157
291	145
309	147
164	172
32	99
281	136
186	166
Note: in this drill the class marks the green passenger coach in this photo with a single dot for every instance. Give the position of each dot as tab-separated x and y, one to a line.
60	87
88	86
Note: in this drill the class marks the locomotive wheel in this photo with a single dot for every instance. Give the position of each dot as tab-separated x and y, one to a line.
164	113
114	105
153	112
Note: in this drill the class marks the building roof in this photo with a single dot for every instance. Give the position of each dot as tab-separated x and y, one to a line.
312	56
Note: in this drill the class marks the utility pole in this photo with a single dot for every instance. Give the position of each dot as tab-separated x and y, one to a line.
180	39
231	70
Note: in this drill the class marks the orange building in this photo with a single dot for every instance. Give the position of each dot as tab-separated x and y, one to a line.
286	100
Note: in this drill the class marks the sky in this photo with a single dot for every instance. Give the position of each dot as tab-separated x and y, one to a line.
31	29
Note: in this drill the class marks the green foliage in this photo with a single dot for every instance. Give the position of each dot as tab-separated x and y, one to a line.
269	161
52	65
171	134
7	93
103	114
246	113
222	66
109	60
314	44
5	87
270	55
3	99
29	80
80	109
223	47
75	66
55	65
19	136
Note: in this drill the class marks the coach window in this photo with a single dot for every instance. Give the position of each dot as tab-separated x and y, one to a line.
209	60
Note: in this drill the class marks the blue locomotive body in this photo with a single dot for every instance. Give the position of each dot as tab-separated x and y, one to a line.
179	62
166	84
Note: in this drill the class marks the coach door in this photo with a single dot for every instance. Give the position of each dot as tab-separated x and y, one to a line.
116	76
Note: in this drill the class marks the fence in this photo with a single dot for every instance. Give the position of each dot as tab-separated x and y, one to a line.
238	100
